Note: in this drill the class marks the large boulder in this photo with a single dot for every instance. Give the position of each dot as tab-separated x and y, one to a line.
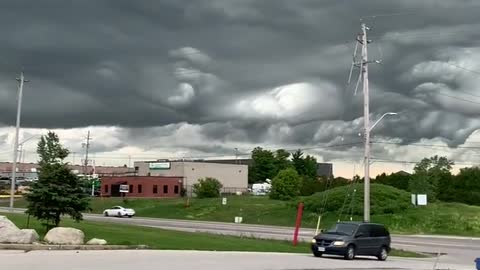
65	236
96	241
9	233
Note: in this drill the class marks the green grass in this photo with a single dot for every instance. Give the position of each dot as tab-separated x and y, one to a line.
407	254
116	234
436	218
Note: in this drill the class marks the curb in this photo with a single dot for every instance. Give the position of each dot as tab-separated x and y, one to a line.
30	247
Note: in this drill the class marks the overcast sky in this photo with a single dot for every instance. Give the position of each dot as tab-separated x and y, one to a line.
174	78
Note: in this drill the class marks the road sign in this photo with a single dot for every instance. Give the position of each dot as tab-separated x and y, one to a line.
124	188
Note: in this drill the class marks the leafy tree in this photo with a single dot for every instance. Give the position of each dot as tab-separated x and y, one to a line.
207	188
57	191
399	180
281	160
263	165
286	185
464	188
420	184
431	172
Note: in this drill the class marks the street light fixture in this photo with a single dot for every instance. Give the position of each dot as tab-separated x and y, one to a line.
366	201
380	119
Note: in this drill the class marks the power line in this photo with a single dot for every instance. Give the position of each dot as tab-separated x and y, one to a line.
429	145
464	68
415	162
461	99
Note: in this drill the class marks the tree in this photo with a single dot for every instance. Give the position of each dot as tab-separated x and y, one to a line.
281	160
57	191
398	180
207	188
464	187
305	166
263	165
420	184
286	185
435	171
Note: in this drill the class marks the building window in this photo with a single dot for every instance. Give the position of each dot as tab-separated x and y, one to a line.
106	188
176	189
155	189
130	188
149	174
165	189
136	168
139	187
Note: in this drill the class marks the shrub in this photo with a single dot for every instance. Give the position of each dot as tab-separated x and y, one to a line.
207	188
383	200
286	185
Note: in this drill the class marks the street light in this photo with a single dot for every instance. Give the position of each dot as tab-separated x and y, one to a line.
20	145
380	119
366	201
21	81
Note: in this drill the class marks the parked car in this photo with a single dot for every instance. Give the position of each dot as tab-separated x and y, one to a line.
118	211
350	239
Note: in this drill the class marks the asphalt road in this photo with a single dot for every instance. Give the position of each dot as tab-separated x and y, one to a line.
452	249
188	260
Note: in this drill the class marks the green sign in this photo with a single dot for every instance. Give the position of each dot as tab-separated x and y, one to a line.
159	165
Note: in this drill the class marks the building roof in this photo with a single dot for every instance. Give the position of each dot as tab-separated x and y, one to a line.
102	170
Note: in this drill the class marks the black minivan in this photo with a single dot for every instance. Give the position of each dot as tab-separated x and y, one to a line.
349	239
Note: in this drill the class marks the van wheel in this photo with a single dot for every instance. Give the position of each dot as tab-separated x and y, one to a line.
317	254
350	254
383	255
105	214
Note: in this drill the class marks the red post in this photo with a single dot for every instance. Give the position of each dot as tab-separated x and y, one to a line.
297	223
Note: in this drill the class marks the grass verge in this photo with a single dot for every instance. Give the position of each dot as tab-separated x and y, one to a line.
436	218
116	234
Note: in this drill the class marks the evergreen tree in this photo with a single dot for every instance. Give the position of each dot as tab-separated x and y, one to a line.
57	191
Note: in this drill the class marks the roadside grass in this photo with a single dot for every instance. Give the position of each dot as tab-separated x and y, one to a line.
407	254
154	238
117	234
436	218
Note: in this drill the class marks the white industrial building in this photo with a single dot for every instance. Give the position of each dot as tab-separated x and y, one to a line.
234	177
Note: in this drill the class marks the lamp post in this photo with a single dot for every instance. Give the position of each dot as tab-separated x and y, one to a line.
21	81
366	201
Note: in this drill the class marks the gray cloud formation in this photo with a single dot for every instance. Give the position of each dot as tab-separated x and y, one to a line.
241	71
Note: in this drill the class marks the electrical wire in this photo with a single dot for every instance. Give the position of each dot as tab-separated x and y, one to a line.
428	145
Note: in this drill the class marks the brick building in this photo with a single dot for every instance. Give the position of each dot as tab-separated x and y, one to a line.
142	186
29	170
233	177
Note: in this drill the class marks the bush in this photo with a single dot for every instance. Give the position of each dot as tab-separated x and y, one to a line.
286	185
207	188
383	200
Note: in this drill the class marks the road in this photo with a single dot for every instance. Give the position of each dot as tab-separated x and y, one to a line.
456	249
199	260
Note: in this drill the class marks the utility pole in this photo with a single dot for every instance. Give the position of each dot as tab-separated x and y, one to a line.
366	115
236	155
87	146
21	81
362	63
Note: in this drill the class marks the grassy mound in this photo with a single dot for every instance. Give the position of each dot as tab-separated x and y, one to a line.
383	200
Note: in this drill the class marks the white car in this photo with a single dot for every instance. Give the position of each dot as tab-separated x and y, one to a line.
118	211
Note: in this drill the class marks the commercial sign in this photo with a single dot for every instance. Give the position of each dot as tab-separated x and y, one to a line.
159	165
124	188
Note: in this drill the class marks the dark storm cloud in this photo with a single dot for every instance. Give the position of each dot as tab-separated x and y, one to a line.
222	64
